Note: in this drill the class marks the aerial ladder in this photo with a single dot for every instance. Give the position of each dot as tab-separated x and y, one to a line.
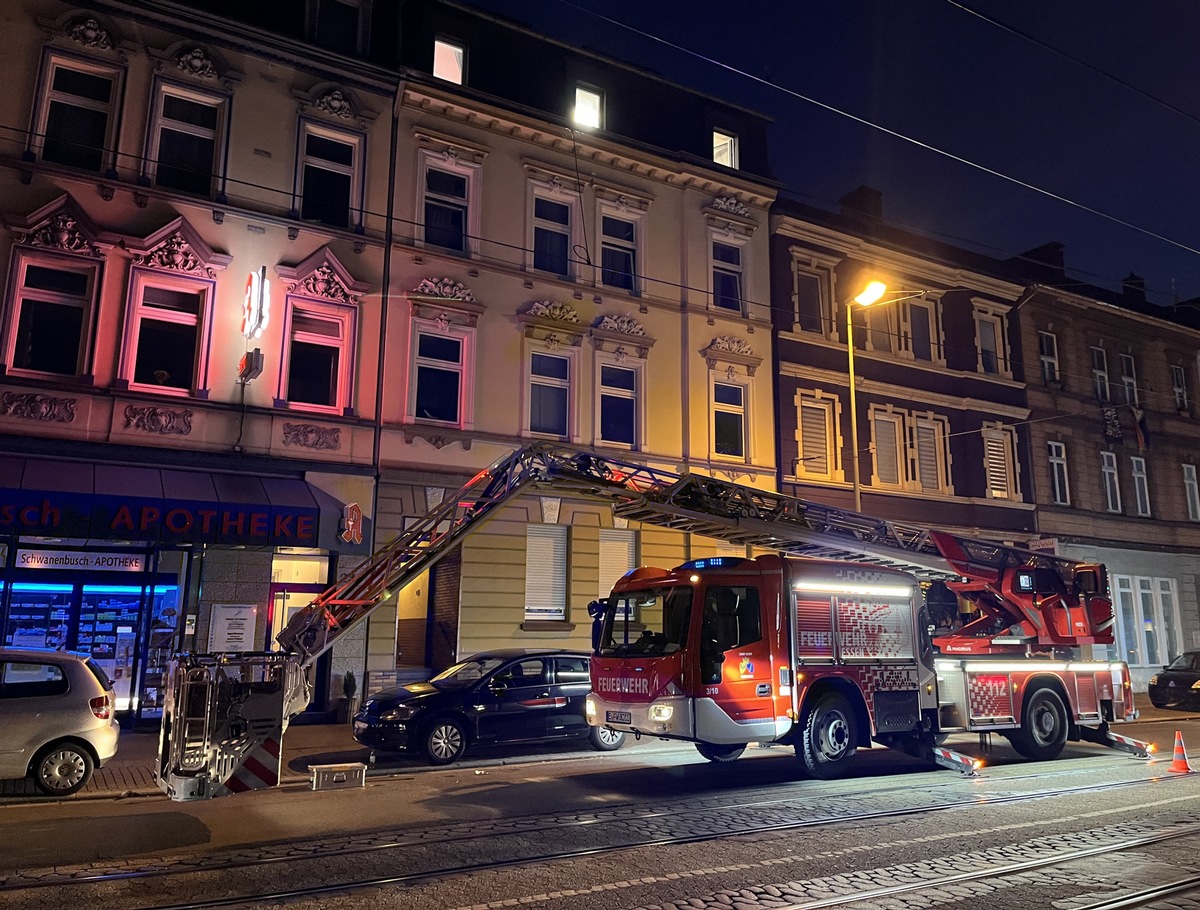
225	714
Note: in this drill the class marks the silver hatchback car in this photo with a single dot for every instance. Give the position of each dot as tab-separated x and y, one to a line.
56	718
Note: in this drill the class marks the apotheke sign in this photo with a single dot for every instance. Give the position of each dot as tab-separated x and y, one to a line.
78	560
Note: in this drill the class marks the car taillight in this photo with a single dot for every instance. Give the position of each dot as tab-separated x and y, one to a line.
101	706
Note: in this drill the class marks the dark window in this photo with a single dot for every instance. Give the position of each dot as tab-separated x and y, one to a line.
187	145
618	405
551	236
572	670
445	209
727	276
548	394
808	304
618	253
338	26
312	373
438	388
77	119
48	336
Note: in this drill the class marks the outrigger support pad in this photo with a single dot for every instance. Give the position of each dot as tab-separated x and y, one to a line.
1105	737
955	761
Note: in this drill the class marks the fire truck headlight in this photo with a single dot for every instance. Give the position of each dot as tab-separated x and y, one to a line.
589	708
661	713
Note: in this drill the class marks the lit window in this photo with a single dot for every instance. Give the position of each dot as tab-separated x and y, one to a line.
318	356
1141	485
1060	489
1129	379
549	394
618	405
545	572
589	107
1100	374
1179	386
729	419
618	253
186	139
1048	355
438	387
1112	481
170	318
1191	492
449	61
727	276
446	209
330	175
552	236
50	314
1000	462
725	149
76	117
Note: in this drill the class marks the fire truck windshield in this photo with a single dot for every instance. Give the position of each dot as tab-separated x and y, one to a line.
651	622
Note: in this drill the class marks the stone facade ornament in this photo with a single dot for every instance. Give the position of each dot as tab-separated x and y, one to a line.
323	282
731	205
550	509
196	62
311	436
624	324
174	254
159	420
729	352
335	104
434	497
89	33
32	406
731	344
446	288
61	232
552	309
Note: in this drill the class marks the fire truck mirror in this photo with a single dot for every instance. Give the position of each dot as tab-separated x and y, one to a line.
596	608
1086	582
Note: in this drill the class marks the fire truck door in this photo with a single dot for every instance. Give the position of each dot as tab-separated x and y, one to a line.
735	658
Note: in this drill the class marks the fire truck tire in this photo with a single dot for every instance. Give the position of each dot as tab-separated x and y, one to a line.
445	741
721	754
1043	732
606	739
828	737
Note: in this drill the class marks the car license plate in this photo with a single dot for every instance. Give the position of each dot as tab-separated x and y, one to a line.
618	717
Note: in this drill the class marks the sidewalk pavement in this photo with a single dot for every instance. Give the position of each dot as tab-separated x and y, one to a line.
131	771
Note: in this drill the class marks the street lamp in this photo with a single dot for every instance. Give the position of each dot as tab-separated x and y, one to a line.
871	294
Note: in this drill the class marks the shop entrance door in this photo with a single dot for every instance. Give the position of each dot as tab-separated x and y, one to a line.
288	599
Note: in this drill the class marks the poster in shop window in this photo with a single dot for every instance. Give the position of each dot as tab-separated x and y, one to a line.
231	628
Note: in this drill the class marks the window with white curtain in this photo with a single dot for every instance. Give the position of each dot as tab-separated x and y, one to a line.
545	572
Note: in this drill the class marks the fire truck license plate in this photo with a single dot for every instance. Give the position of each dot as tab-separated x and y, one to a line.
618	717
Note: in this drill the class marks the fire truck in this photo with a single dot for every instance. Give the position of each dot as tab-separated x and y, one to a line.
822	643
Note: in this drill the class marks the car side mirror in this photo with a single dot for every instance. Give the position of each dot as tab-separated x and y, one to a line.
497	687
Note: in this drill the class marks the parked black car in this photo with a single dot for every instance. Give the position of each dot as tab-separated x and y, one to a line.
509	696
1178	684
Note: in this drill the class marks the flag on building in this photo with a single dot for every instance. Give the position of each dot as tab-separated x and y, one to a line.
1140	431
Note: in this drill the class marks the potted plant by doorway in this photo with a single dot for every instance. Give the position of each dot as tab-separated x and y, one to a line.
349	703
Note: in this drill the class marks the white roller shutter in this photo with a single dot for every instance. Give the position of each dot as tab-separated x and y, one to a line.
814	430
618	554
546	571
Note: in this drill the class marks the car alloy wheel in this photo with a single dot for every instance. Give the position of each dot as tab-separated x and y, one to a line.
445	741
62	769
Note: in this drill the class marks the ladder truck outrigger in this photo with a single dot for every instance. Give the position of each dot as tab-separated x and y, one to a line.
825	644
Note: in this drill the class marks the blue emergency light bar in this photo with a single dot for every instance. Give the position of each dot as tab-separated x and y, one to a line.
712	562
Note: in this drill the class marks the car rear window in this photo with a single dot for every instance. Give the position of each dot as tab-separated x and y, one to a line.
101	676
572	670
22	679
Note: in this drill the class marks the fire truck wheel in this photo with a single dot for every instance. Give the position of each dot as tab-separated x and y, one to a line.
1044	730
606	739
721	754
828	737
445	741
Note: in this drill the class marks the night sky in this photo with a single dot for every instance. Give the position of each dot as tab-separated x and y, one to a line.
1062	107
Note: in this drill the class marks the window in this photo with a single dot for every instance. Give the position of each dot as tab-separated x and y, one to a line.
439	361
1100	374
991	352
1191	492
319	355
166	349
618	554
186	139
1129	379
449	61
76	118
1141	485
887	431
727	276
879	327
340	26
809	296
930	458
330	175
922	337
618	405
729	419
618	253
552	236
1000	462
549	394
446	209
725	149
1048	354
32	680
1149	626
1112	481
816	438
51	314
1060	490
589	107
545	572
1179	386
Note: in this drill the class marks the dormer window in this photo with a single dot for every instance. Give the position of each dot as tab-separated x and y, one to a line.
589	107
449	61
725	149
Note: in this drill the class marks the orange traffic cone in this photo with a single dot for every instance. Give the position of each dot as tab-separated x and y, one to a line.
1180	762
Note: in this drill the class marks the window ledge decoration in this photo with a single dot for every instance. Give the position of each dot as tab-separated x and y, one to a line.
89	32
322	277
730	216
312	436
621	335
552	323
330	101
733	352
164	421
547	625
176	247
731	205
195	63
437	436
61	225
445	301
32	406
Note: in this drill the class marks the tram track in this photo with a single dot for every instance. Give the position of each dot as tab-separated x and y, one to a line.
719	825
